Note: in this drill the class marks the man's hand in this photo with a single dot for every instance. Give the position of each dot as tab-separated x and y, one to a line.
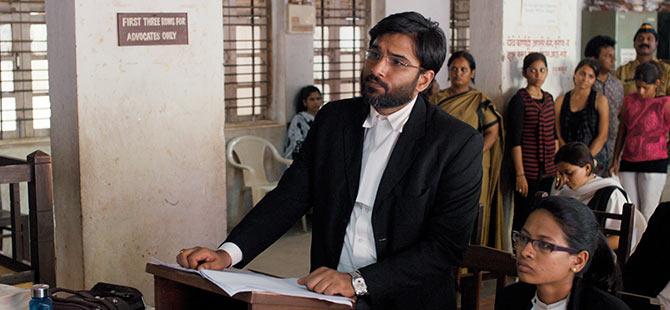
328	282
198	257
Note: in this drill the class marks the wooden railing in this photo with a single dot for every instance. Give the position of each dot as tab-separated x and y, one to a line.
32	235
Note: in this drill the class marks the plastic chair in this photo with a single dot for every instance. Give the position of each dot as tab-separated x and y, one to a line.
250	151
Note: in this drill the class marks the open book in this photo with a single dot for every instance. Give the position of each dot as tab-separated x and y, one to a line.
233	281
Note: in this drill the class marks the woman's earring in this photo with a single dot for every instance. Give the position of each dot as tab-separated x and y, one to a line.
574	269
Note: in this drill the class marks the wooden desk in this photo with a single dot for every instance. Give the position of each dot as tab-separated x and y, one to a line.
174	289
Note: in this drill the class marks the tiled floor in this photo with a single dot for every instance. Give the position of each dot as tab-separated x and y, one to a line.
288	257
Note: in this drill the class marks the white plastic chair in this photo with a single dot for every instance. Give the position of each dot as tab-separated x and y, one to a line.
250	151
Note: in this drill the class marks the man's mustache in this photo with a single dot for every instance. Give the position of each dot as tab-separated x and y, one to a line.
374	78
644	45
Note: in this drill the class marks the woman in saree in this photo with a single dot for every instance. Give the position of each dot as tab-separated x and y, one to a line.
471	106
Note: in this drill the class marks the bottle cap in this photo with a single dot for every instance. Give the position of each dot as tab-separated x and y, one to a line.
40	290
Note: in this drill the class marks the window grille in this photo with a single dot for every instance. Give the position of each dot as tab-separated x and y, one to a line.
460	25
340	40
25	110
246	46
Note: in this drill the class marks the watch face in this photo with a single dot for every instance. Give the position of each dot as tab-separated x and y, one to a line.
359	285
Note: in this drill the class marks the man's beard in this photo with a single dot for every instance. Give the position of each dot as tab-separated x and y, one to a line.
402	95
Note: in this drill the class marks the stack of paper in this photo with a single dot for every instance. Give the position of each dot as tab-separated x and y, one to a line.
234	281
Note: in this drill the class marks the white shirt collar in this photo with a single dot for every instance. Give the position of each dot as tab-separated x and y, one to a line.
396	119
559	305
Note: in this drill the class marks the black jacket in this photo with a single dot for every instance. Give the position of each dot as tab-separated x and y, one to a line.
423	213
518	296
647	270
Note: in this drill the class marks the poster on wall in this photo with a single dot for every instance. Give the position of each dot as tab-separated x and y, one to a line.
629	5
301	17
152	28
544	26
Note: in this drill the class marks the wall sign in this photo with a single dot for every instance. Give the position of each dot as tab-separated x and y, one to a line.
152	28
301	18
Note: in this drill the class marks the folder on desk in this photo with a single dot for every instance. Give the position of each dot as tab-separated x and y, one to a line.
234	281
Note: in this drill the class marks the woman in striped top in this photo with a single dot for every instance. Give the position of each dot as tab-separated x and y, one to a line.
532	137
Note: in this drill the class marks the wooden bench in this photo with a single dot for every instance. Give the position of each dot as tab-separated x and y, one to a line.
32	235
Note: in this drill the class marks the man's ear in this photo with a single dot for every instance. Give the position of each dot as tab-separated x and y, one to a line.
424	80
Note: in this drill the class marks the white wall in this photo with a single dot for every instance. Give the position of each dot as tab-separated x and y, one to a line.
486	31
497	27
142	152
64	135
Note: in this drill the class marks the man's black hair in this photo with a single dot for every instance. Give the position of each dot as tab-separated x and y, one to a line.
430	44
594	45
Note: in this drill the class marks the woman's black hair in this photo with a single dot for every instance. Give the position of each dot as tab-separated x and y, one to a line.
465	55
303	94
531	58
430	43
647	72
583	233
574	153
590	62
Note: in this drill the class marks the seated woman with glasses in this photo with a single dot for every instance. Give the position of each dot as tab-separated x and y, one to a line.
563	261
576	179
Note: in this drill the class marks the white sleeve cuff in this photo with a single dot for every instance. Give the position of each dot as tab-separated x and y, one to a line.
234	252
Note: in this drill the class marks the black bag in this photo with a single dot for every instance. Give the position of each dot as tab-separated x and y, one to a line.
102	296
132	296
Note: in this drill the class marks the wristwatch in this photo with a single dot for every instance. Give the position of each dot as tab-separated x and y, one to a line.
358	283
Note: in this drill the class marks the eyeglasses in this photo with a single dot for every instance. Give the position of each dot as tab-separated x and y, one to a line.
521	240
374	56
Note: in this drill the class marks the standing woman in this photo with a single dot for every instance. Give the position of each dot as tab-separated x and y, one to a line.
308	102
563	261
641	148
468	104
583	114
532	137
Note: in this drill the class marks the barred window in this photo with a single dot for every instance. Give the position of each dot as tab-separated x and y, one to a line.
24	79
340	39
246	46
460	25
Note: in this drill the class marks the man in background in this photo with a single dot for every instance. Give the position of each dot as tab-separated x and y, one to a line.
601	48
645	42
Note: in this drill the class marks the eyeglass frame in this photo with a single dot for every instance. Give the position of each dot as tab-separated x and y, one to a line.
535	244
393	61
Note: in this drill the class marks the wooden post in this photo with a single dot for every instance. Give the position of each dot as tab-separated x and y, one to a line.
40	193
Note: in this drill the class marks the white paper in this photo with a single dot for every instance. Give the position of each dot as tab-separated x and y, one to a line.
234	281
156	261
